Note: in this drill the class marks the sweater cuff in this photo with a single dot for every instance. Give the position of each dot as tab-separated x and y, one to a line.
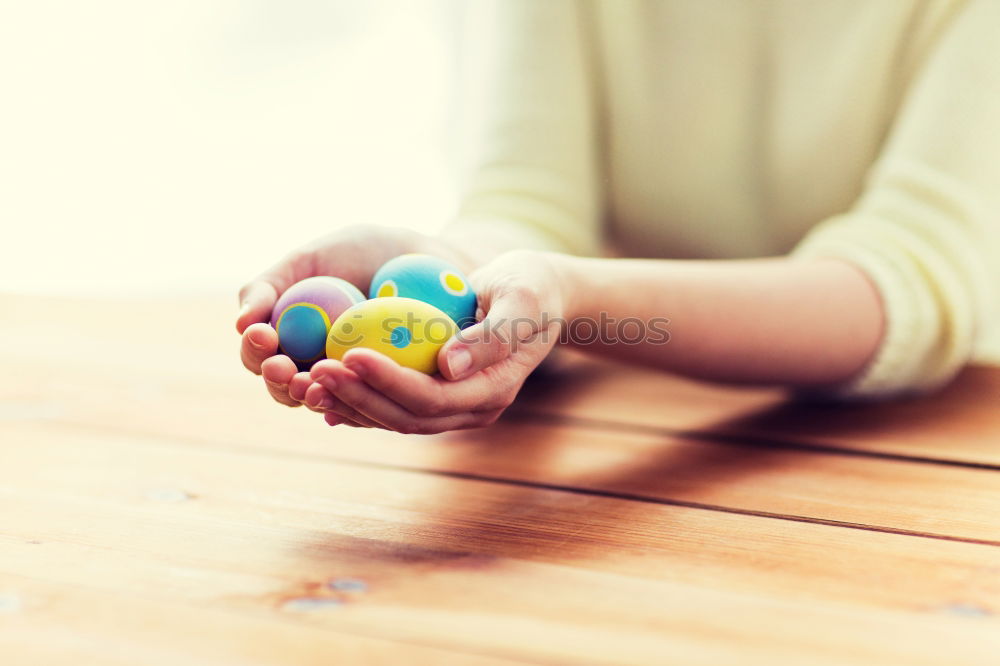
912	322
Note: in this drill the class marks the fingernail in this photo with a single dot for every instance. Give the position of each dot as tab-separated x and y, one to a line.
255	340
244	308
357	368
325	403
326	381
459	361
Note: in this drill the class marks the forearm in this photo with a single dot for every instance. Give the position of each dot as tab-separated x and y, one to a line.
800	323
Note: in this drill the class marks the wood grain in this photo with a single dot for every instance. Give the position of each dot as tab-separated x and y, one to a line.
156	507
180	400
145	348
605	580
73	624
957	425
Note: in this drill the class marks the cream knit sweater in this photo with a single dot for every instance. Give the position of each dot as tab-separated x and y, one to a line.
862	129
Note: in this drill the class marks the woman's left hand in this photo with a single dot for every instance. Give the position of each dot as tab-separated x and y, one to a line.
522	295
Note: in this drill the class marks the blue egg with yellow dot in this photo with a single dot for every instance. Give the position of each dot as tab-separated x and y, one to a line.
428	279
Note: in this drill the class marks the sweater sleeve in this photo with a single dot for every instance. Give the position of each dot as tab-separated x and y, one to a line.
926	229
528	162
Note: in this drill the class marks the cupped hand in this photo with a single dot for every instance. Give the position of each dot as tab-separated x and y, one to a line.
352	253
522	297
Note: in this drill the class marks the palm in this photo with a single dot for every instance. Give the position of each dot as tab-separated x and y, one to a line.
353	254
521	296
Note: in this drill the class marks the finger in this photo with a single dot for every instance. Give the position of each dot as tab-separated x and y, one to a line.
337	381
354	424
335	419
259	343
256	302
422	394
298	385
278	372
512	320
320	400
349	388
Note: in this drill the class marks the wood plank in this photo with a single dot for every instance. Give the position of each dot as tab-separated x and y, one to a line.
194	398
946	501
512	572
152	347
920	499
108	495
65	623
959	423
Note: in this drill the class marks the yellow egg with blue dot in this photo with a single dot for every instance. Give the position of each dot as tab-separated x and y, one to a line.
429	279
406	330
303	314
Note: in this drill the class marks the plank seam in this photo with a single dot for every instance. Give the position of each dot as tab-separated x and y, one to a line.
540	485
741	440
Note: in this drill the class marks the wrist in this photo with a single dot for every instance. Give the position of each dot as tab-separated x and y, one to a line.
570	283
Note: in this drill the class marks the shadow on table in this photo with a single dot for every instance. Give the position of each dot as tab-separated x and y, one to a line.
515	513
920	425
957	421
521	461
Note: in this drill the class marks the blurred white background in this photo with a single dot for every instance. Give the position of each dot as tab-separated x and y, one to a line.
183	146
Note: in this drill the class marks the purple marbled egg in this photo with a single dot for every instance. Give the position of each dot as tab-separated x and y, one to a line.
303	314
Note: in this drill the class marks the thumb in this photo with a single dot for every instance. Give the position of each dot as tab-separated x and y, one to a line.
512	319
257	299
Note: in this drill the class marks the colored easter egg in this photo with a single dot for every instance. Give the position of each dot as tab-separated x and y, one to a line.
303	314
427	279
406	330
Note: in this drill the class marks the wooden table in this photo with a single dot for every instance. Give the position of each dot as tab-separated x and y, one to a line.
157	508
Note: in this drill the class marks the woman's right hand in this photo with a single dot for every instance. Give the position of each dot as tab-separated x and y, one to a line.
352	253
